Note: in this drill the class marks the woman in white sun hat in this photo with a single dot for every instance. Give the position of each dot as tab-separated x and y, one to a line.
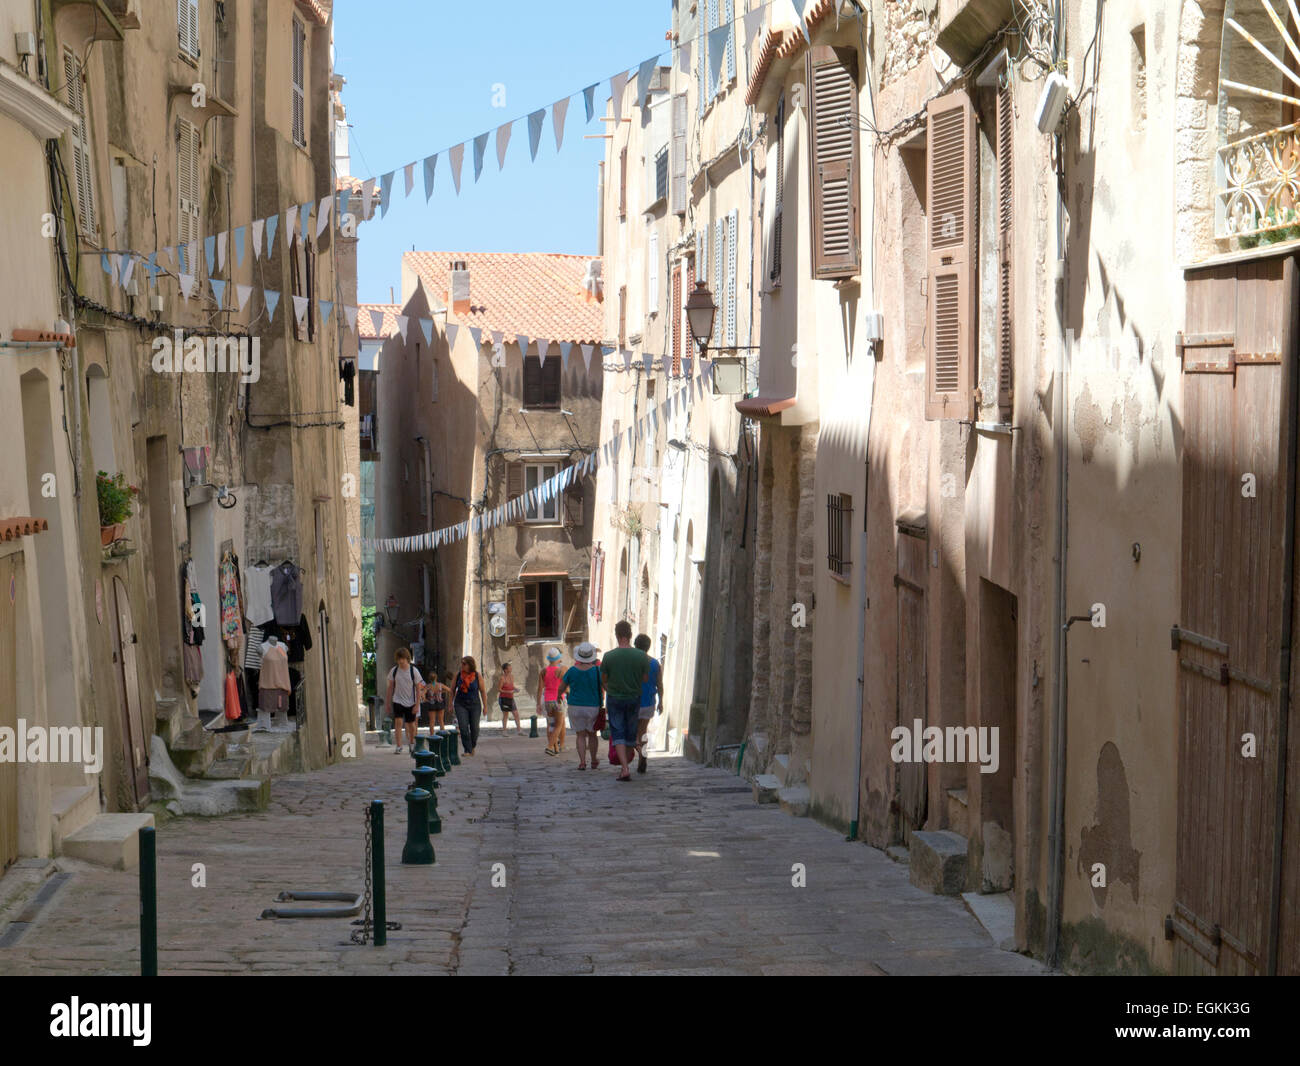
548	698
583	686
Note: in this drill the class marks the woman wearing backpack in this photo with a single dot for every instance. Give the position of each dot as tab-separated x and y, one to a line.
471	703
404	683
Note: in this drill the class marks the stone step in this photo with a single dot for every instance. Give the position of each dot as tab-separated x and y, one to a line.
958	819
937	862
73	807
110	840
780	768
794	800
231	768
767	788
996	912
196	749
171	719
178	794
274	753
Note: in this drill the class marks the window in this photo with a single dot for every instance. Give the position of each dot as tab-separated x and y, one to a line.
653	278
950	264
545	610
649	388
542	600
776	176
82	171
541	383
661	174
833	127
536	474
679	187
729	305
187	27
1006	245
299	82
189	193
839	533
302	259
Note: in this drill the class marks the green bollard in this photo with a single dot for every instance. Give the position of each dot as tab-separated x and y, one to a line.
427	758
379	902
444	750
454	745
439	749
423	778
148	902
421	744
418	850
532	727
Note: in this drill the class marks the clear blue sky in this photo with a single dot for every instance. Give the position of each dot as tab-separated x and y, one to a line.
420	79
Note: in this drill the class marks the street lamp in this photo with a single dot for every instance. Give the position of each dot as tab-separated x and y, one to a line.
390	609
700	312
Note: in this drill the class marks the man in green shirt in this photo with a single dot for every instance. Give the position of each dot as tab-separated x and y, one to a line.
624	670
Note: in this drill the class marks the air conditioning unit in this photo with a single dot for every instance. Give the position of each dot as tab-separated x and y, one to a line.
593	281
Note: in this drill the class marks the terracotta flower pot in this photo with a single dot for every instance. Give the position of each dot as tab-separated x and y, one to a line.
108	534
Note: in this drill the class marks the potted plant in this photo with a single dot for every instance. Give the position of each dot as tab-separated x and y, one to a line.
115	497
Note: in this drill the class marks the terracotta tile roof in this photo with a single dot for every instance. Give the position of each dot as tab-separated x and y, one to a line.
22	526
781	44
366	324
764	406
538	294
316	10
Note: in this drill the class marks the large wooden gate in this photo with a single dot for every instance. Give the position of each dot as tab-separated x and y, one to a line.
910	582
1238	355
134	737
12	613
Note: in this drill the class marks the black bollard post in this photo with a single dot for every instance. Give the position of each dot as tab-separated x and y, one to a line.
418	850
423	779
427	758
377	898
532	727
148	902
421	744
453	744
444	762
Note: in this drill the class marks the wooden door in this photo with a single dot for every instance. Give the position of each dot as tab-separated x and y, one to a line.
323	633
134	738
12	609
1237	355
910	583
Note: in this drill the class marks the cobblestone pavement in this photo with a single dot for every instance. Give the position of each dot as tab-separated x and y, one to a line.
678	872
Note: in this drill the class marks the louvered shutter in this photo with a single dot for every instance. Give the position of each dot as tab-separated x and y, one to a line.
574	499
678	185
187	27
622	183
187	184
689	342
719	279
702	254
622	317
733	233
712	24
299	83
1006	246
832	85
83	173
729	14
950	268
550	375
515	488
675	318
575	622
701	48
774	274
514	612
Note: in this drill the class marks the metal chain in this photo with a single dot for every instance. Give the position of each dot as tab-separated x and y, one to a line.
362	935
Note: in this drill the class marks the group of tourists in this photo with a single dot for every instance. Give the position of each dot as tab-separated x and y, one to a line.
621	691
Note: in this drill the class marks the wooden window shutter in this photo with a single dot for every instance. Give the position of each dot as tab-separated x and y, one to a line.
309	256
622	317
728	14
187	26
83	172
515	489
575	618
733	228
833	155
774	273
299	82
622	183
719	278
675	316
574	500
550	375
654	272
950	268
187	184
532	382
678	185
514	612
1006	246
689	343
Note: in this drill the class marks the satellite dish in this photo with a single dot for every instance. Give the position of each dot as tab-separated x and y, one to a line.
497	625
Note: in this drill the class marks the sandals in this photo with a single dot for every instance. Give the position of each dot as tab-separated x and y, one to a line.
640	762
582	766
551	751
623	777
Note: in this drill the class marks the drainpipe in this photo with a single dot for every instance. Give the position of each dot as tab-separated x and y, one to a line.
600	208
1057	767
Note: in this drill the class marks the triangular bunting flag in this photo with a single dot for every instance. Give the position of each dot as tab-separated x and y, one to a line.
272	299
643	75
616	85
239	246
257	238
426	327
497	336
457	156
367	196
385	191
221	251
300	309
503	139
350	315
558	110
684	59
126	267
210	250
586	355
110	267
542	346
187	284
589	98
565	348
377	322
535	121
408	172
323	210
326	306
627	359
451	329
799	6
477	333
271	223
290	222
753	23
706	371
242	293
717	54
304	217
480	146
430	167
649	360
523	342
219	291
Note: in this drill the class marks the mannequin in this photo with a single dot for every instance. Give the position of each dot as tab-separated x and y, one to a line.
273	688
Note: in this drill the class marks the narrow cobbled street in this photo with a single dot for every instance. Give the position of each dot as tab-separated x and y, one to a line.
681	872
